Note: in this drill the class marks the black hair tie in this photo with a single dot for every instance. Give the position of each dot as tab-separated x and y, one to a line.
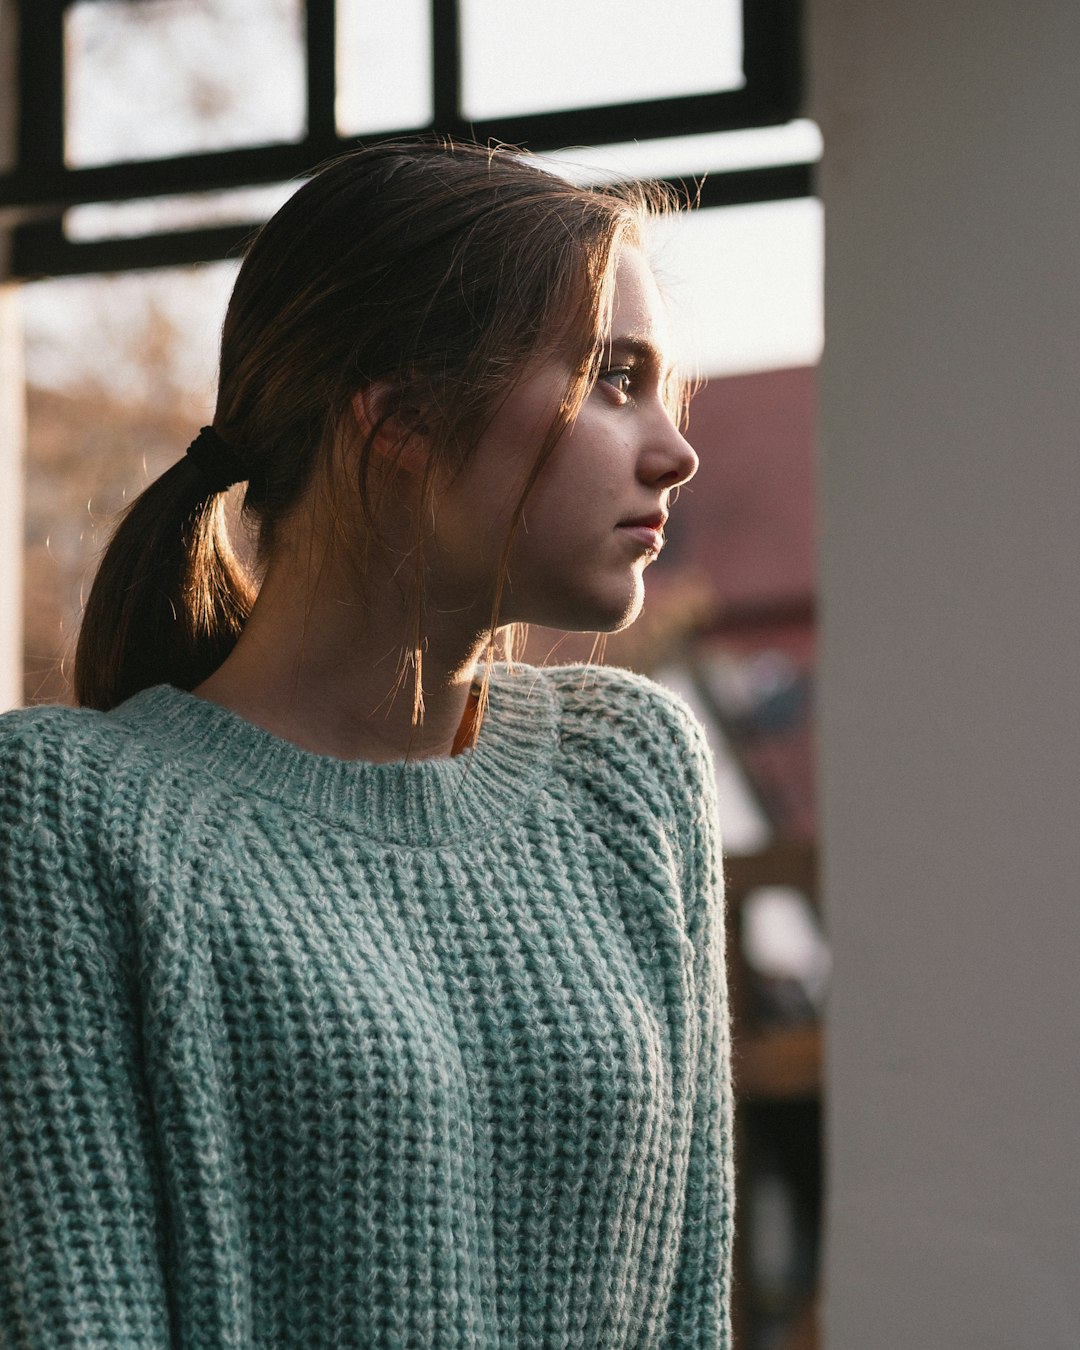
218	463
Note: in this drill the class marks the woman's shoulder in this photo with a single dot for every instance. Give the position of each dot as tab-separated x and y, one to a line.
64	789
36	737
55	739
53	761
68	774
612	703
641	729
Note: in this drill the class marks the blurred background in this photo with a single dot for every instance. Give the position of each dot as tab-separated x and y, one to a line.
914	484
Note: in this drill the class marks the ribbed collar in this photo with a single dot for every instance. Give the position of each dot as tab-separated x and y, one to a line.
415	802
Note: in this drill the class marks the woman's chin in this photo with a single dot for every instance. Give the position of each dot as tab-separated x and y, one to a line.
610	614
628	615
578	608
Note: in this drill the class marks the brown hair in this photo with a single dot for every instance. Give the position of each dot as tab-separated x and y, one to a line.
435	268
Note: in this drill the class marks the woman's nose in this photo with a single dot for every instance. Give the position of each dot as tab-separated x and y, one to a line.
673	460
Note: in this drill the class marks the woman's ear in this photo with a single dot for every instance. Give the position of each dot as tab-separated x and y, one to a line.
396	439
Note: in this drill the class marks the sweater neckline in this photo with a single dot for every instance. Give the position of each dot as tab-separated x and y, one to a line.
417	802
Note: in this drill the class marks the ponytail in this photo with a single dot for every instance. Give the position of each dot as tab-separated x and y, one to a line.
170	597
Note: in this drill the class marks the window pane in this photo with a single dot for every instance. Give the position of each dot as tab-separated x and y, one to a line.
796	142
150	215
121	373
744	284
569	54
782	940
164	77
383	65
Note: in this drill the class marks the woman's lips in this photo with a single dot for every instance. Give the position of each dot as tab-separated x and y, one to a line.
650	536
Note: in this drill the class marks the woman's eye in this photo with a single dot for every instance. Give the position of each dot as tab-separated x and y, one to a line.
620	379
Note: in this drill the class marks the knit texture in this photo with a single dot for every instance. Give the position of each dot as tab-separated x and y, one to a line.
298	1051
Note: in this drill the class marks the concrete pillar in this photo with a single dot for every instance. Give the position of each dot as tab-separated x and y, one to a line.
949	708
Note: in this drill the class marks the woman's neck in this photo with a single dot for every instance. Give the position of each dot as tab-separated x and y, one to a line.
319	668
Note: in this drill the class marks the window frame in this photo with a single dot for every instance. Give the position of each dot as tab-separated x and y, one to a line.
40	187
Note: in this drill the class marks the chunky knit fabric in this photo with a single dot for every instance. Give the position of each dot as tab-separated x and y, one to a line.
297	1051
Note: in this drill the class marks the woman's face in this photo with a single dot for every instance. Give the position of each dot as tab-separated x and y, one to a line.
578	557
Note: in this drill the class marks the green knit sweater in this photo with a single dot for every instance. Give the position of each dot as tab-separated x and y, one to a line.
305	1052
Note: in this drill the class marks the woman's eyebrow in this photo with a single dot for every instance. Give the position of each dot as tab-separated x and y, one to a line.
642	350
641	347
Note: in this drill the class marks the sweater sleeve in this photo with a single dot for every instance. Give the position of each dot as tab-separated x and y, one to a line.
700	1312
79	1252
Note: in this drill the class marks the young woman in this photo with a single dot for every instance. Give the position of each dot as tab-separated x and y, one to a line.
357	989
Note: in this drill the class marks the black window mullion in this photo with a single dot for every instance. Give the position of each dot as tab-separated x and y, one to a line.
39	248
772	59
321	57
446	66
686	115
41	87
744	187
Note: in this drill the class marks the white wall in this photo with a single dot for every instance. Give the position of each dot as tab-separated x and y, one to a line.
950	704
